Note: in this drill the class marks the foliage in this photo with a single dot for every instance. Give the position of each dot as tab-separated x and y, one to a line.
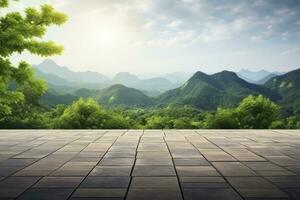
254	112
293	122
257	112
19	90
222	119
224	89
89	114
278	124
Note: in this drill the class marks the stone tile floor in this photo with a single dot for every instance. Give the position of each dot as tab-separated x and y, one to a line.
150	164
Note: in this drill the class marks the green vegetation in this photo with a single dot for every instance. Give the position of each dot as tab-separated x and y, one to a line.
253	112
288	86
208	92
222	100
19	91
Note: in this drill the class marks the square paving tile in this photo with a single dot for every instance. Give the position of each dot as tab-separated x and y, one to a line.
46	194
105	182
211	194
12	187
191	162
153	194
203	182
117	161
196	171
256	187
153	170
154	182
111	171
233	169
154	161
100	193
59	182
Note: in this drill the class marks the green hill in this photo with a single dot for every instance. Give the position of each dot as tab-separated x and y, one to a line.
50	99
224	89
288	86
124	96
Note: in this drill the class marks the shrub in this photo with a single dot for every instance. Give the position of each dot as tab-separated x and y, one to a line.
256	112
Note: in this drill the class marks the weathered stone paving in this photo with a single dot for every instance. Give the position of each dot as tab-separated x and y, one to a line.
149	164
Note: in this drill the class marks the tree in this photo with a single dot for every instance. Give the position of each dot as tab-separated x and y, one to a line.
83	114
88	114
18	33
257	112
222	119
158	122
293	122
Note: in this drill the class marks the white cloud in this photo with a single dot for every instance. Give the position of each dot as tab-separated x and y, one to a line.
293	50
99	31
174	24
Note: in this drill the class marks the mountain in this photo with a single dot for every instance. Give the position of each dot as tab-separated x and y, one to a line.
155	85
257	77
288	86
265	79
62	76
50	99
124	96
126	78
252	76
178	77
224	89
50	67
51	78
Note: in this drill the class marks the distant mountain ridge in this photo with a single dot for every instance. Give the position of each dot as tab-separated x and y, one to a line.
62	76
257	77
50	67
152	84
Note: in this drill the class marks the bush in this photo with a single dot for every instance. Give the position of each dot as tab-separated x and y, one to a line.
256	112
222	119
88	114
157	122
293	122
279	124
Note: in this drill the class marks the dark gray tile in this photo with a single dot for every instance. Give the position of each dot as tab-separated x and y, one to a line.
46	194
111	171
59	182
154	182
153	194
100	192
211	194
233	169
105	182
196	171
153	170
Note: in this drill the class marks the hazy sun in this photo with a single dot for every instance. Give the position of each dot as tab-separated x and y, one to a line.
106	38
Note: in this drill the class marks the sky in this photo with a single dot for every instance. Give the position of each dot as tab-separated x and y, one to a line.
159	36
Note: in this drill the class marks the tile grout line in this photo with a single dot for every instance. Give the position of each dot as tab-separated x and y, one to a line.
177	177
135	157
